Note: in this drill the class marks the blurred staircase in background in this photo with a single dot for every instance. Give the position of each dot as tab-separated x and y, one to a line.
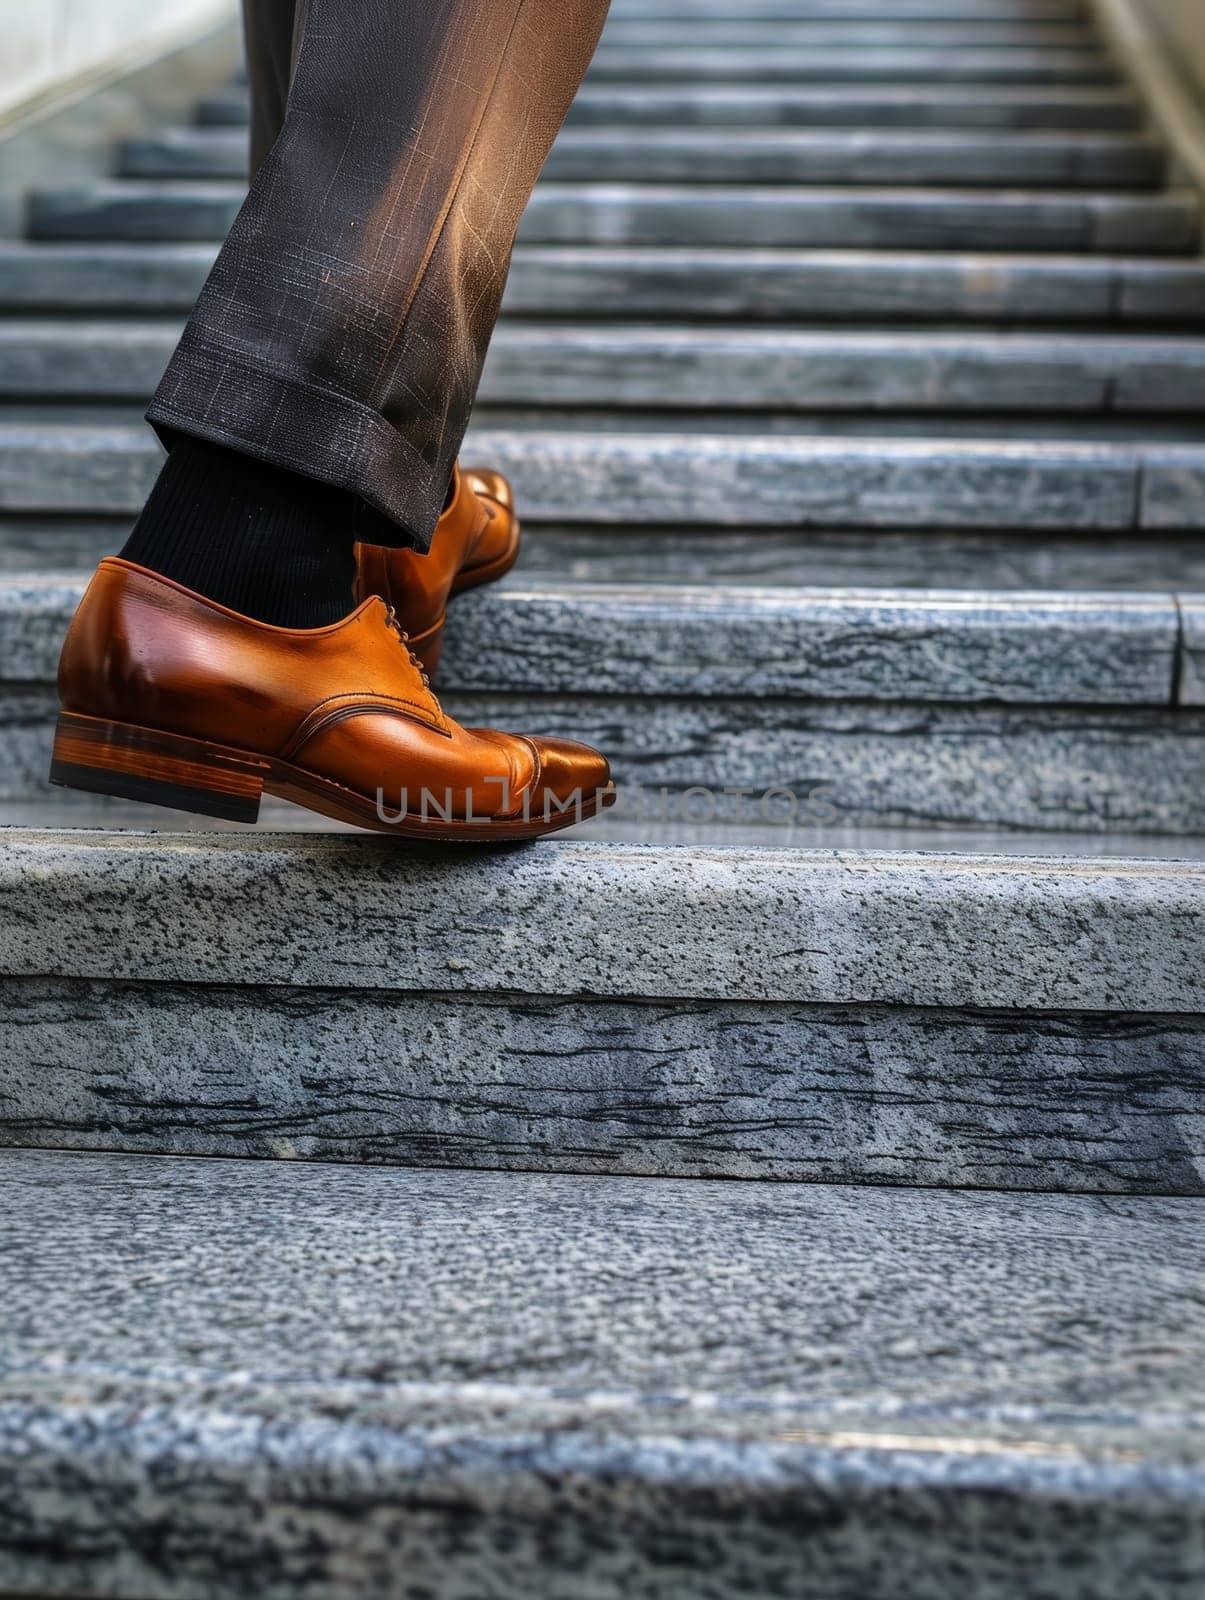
852	379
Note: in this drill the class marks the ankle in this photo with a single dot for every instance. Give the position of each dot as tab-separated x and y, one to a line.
267	543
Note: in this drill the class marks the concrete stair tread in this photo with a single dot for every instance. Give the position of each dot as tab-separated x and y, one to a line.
912	106
675	1007
691	368
659	214
718	282
729	480
786	155
879	106
1000	562
307	1448
646	821
658	641
960	65
847	10
818	925
912	33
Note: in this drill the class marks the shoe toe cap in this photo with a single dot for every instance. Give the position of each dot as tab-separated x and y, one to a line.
569	769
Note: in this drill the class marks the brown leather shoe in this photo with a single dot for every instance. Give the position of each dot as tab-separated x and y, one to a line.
475	541
171	698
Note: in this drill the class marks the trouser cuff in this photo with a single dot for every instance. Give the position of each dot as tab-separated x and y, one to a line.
306	428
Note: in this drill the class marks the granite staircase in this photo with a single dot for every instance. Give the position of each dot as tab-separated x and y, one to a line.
792	1184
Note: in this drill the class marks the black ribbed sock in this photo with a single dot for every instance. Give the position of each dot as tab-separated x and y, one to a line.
268	543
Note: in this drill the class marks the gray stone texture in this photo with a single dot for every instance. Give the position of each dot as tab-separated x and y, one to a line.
807	926
1000	1100
684	368
1002	561
1042	11
980	11
308	1381
853	764
714	282
718	479
852	104
686	62
808	644
667	214
734	480
1172	488
1192	650
752	643
754	155
885	31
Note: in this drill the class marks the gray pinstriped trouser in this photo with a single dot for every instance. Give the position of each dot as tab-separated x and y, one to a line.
395	144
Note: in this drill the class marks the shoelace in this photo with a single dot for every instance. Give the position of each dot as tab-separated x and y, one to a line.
391	621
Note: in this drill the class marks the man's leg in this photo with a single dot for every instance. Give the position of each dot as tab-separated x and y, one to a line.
271	35
318	397
342	331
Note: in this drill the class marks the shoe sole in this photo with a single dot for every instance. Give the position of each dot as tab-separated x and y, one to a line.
167	769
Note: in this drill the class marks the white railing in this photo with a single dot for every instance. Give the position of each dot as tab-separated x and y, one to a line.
1161	44
51	47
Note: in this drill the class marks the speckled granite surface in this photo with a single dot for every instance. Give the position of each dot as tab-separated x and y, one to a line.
817	926
722	1089
1115	770
754	643
222	1379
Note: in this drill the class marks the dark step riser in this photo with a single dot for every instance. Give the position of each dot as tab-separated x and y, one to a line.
679	371
561	214
976	12
600	282
1046	12
785	105
911	34
810	769
801	1093
861	66
758	557
1030	162
1028	650
721	482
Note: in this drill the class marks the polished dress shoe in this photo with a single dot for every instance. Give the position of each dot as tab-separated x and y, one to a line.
475	541
171	698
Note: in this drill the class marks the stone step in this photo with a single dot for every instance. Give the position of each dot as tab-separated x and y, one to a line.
852	105
844	105
895	929
957	11
730	155
794	643
722	480
672	820
911	33
650	214
1000	560
954	1019
595	281
686	63
1146	430
859	708
688	368
300	1380
866	106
